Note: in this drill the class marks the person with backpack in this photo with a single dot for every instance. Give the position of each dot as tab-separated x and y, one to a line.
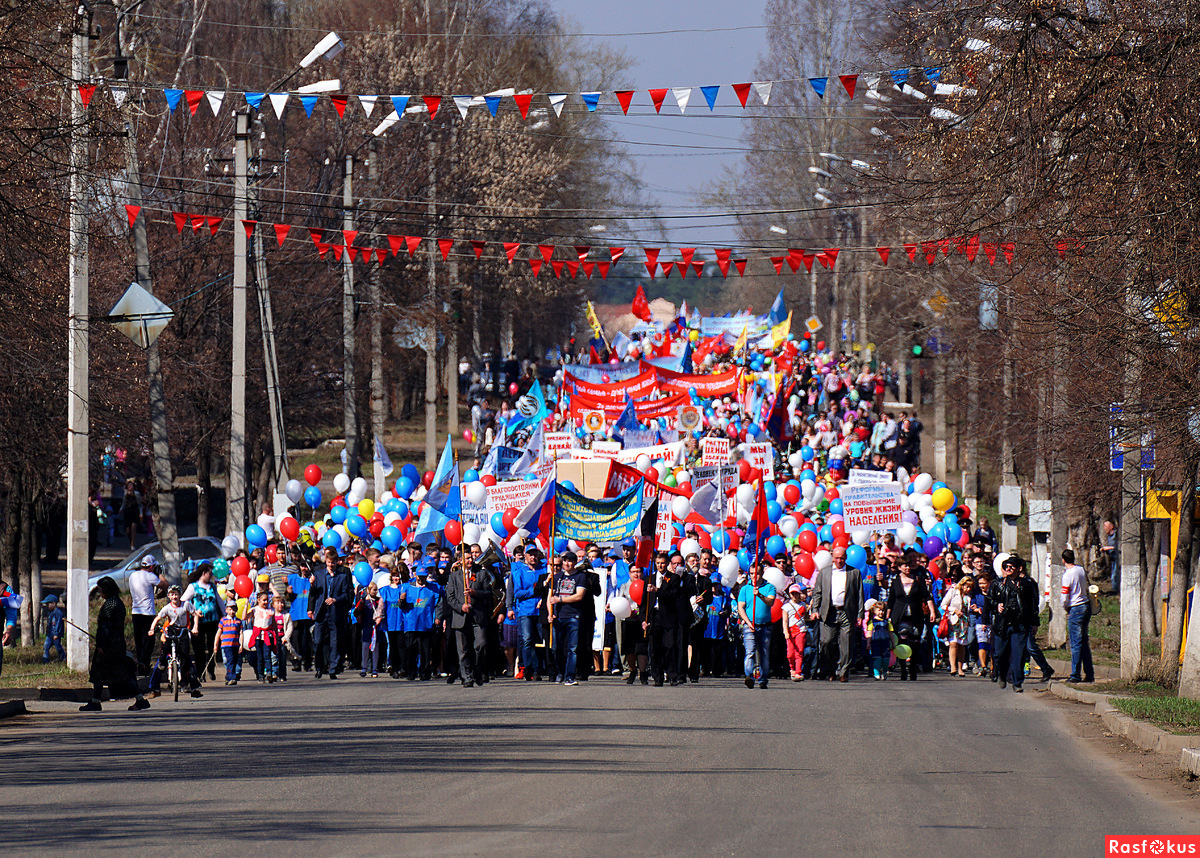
202	593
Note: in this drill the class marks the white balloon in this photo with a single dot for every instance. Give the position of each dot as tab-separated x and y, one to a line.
839	452
904	502
417	496
901	475
921	502
642	463
493	537
683	476
745	495
860	537
906	533
383	578
230	544
999	561
515	540
662	469
689	546
294	491
477	493
680	507
795	461
340	530
392	518
823	560
341	482
386	496
922	483
619	607
788	526
818	495
808	488
471	534
743	515
729	568
775	578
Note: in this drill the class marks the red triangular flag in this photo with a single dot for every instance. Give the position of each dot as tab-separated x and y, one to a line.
413	242
849	82
349	235
698	267
808	259
723	264
823	259
444	245
960	244
193	97
624	96
536	265
322	248
652	255
281	231
972	248
652	267
339	104
315	235
687	253
573	267
777	261
380	253
197	222
86	93
944	244
337	251
214	223
832	253
667	268
582	250
742	90
477	246
522	101
588	267
351	251
603	267
616	253
249	225
884	252
432	102
657	96
641	307
132	212
911	250
547	251
1061	245
510	249
557	265
930	249
740	265
180	221
989	250
723	253
396	243
1008	248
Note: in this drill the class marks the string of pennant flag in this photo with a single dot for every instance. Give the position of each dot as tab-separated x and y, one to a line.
191	99
589	259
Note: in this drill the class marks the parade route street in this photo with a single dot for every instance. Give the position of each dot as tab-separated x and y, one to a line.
393	767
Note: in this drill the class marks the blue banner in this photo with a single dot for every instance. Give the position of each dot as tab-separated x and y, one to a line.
595	374
607	520
499	462
756	327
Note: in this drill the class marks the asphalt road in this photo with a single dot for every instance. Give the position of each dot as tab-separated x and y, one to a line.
941	766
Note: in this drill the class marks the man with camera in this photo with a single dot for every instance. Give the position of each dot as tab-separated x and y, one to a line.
1014	609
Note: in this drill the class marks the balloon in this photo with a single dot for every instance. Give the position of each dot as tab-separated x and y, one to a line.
771	491
788	526
509	520
239	566
680	507
512	389
362	572
488	480
776	546
220	568
341	483
331	539
775	578
468	436
366	508
243	586
807	453
497	523
860	537
856	557
636	589
312	496
271	552
823	560
620	607
337	514
807	540
471	534
745	495
357	525
804	566
743	558
230	544
943	499
720	542
375	527
427	479
358	491
922	483
933	547
774	511
410	471
836	527
391	538
791	494
454	532
470	476
903	652
744	470
288	528
728	569
835	506
294	491
689	547
777	609
825	534
404	487
998	561
312	474
477	494
256	536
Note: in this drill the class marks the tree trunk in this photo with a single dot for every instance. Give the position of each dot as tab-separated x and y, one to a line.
203	484
1182	573
24	558
35	566
12	531
1149	567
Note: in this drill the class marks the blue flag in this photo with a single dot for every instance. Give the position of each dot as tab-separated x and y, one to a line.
443	502
778	312
628	420
606	520
531	410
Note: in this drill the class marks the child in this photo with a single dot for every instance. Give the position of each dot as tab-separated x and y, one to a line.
283	635
879	638
263	637
55	628
228	634
369	614
795	632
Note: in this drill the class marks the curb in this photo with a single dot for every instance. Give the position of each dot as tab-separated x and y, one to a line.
1146	736
10	708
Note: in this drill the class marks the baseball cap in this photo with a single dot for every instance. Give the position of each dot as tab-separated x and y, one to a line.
148	562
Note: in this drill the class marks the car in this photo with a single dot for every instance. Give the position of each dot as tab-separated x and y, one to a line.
192	550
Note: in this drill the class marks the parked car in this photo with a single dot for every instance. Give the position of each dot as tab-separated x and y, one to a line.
193	549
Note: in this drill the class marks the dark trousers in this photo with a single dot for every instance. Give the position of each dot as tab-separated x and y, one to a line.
566	644
203	643
527	638
470	641
835	643
143	644
396	652
695	640
325	642
372	644
674	640
1035	652
418	654
656	650
583	647
302	642
1011	650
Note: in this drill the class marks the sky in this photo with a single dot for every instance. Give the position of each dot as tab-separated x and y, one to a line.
679	43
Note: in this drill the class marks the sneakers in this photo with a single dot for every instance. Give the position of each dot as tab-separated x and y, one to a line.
570	682
154	694
139	704
1047	675
1003	682
92	706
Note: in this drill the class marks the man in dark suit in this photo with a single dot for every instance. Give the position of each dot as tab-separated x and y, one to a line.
675	619
837	600
328	605
469	603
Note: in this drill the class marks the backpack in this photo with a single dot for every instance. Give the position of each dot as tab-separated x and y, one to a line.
204	599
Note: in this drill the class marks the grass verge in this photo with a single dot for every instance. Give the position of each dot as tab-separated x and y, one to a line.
1173	714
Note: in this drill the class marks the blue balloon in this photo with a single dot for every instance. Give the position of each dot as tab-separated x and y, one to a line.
953	531
391	538
399	507
808	525
825	534
837	465
312	496
362	572
835	506
774	512
497	522
405	487
561	543
804	346
377	545
720	542
938	485
357	525
332	539
410	472
776	545
567	484
808	473
256	536
743	557
771	491
938	530
933	547
338	514
470	476
856	557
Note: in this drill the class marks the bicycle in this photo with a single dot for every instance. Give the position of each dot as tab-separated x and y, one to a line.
173	663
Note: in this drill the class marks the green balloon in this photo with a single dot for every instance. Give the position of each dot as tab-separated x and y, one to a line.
903	652
669	481
220	568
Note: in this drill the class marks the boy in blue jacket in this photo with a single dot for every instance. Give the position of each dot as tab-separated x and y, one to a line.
56	627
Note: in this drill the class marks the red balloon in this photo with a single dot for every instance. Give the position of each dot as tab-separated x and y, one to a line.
453	532
686	488
744	469
377	517
605	379
862	433
777	610
635	591
821	346
376	527
512	389
271	552
312	474
838	529
735	541
842	541
427	480
807	540
831	493
340	500
791	494
934	569
289	528
509	519
488	480
239	566
803	564
243	586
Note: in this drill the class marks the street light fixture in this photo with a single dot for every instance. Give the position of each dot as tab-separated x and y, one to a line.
321	86
328	48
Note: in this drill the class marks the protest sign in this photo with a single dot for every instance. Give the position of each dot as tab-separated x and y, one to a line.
714	451
871	506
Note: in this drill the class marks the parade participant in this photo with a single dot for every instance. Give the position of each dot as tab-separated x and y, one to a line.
754	610
229	639
144	583
263	638
1014	609
420	602
570	588
328	604
699	577
111	666
394	622
836	602
795	631
525	575
1078	607
908	603
178	618
469	606
633	628
302	623
202	594
370	614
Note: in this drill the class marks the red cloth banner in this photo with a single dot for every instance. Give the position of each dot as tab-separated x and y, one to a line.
638	387
707	386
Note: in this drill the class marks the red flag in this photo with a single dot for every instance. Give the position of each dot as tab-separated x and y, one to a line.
413	242
351	251
339	104
510	249
477	246
945	245
547	250
657	96
808	259
337	251
197	222
444	245
593	355
522	100
930	249
742	90
214	223
624	96
832	253
989	250
687	253
911	250
849	81
603	266
777	261
795	257
698	267
1061	245
432	102
740	265
582	250
86	93
249	225
380	254
322	248
667	268
180	221
536	265
573	267
588	267
281	231
823	258
641	307
193	97
557	265
723	264
616	253
884	252
132	212
1008	248
396	243
972	248
315	235
652	255
652	267
349	235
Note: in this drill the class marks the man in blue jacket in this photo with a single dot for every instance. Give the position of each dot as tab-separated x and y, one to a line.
328	606
419	603
528	570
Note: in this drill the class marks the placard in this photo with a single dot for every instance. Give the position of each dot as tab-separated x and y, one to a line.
871	506
663	530
557	444
511	495
707	473
860	477
761	455
606	449
714	451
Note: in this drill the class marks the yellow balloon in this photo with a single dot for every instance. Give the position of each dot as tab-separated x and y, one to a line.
221	591
694	336
366	508
943	499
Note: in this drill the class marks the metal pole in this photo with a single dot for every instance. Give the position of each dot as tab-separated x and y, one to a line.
378	405
939	413
235	480
77	371
431	376
349	400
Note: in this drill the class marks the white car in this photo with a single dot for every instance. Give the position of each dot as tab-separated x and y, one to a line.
193	549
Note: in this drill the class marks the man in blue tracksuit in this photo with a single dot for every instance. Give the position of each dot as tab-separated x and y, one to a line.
419	601
524	607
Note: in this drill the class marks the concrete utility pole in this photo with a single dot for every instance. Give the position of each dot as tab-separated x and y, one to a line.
431	374
262	288
77	356
349	400
164	477
1010	489
971	443
939	413
1057	633
1131	510
235	478
378	404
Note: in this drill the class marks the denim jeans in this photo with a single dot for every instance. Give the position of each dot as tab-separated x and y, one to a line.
1012	649
757	642
1078	618
527	637
55	644
566	640
229	655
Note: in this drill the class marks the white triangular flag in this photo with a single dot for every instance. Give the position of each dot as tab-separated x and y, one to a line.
368	103
214	101
763	89
118	94
463	103
682	94
556	101
872	81
279	102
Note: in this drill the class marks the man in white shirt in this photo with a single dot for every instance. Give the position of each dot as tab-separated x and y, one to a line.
1079	613
836	601
144	583
267	520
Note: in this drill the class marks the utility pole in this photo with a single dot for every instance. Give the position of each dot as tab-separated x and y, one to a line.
378	405
451	308
262	288
77	347
1131	501
164	477
1058	485
971	444
939	411
349	401
431	375
1010	489
235	479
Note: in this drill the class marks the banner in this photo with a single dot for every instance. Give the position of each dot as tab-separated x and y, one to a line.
640	438
762	456
605	521
499	462
756	327
645	409
557	444
870	506
707	473
476	515
662	528
589	374
514	494
860	477
714	451
606	449
706	386
667	452
623	477
613	393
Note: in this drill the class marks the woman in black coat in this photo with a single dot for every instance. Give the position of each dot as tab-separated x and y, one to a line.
908	600
111	664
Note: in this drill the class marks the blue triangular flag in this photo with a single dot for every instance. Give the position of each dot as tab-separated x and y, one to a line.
934	74
400	102
710	95
309	102
778	312
899	77
591	99
493	102
173	96
254	99
818	85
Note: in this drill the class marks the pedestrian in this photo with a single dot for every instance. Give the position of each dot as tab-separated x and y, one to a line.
328	604
955	608
909	603
755	599
179	620
570	588
145	583
203	596
56	627
263	637
283	637
394	622
1014	612
111	665
302	624
878	634
836	602
468	605
370	614
1111	554
1078	607
795	632
229	633
419	602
